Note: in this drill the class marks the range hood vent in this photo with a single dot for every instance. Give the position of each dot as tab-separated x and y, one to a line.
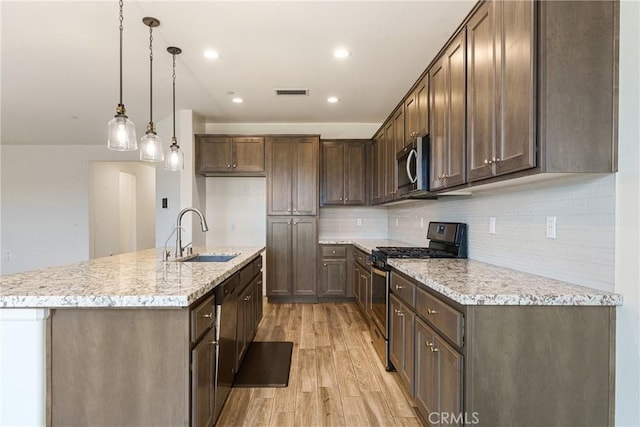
291	92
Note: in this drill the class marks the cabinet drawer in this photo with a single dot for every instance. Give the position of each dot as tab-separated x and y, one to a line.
333	251
403	289
446	319
202	318
246	274
361	257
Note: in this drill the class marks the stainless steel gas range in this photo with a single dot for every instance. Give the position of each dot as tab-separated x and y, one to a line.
446	240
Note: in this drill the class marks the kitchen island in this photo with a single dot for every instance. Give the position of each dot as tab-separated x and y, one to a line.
113	341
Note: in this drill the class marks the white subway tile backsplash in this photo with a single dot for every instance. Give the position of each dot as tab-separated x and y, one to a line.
341	223
582	253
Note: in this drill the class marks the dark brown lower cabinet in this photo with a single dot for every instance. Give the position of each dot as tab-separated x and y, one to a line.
292	248
245	327
333	272
438	378
402	339
361	279
203	364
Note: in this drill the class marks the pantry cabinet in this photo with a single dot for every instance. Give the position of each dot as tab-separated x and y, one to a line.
447	95
292	247
292	175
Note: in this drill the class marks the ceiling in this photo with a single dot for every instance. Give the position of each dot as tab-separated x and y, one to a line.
60	61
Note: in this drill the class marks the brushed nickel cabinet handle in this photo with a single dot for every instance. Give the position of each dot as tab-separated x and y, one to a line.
428	344
213	343
435	349
430	311
207	316
398	287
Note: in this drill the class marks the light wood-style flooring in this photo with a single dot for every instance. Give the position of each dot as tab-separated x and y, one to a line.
336	377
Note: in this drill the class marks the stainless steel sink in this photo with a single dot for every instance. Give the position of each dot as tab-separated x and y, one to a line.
210	258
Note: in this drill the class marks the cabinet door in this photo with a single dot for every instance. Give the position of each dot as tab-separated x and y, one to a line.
305	175
389	155
481	89
279	161
333	278
416	111
242	326
257	300
203	381
426	386
422	108
355	282
411	117
355	174
333	173
455	155
279	256
365	290
214	154
438	126
449	364
248	155
402	339
305	255
377	175
515	85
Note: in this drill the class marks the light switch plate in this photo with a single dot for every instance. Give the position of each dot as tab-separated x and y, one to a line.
492	225
359	222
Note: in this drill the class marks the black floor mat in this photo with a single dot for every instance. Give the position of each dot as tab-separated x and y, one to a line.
266	364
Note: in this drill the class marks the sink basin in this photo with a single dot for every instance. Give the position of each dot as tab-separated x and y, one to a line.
210	258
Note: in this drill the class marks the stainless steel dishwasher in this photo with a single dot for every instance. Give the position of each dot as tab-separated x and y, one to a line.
226	318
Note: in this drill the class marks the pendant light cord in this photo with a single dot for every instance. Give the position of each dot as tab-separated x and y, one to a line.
150	75
174	97
121	29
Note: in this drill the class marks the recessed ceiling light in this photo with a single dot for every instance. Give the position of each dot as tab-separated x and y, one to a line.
237	100
341	53
332	100
211	54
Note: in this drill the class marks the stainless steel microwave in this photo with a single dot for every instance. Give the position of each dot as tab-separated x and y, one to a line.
413	170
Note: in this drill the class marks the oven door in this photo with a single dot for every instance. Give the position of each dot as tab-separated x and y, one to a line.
377	305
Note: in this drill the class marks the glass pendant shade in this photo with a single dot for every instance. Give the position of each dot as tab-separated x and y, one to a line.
121	134
174	160
151	148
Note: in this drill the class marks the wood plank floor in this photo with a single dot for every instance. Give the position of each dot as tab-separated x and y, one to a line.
336	377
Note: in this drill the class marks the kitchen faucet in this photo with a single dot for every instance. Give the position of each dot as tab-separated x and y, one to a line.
203	225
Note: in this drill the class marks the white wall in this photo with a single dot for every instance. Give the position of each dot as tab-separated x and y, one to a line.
325	130
104	201
582	253
236	209
45	203
627	280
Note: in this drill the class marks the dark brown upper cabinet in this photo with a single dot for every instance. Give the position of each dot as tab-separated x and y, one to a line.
500	89
344	172
377	168
447	116
416	111
292	175
220	155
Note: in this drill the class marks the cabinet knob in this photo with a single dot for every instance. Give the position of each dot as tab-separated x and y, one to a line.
247	298
228	166
235	166
213	342
495	159
363	276
324	265
340	198
346	199
207	316
289	222
295	210
334	252
398	287
435	349
486	161
430	311
428	344
288	210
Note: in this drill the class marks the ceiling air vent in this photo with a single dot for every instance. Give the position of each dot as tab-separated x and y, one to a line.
291	92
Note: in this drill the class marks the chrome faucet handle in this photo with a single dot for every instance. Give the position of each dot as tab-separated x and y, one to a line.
166	254
190	250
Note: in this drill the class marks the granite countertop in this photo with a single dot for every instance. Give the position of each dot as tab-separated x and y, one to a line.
137	279
471	282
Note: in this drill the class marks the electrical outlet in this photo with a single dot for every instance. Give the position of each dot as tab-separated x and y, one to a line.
492	225
7	256
421	222
551	227
359	222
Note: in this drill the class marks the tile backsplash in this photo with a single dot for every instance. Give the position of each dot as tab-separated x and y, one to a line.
342	223
582	253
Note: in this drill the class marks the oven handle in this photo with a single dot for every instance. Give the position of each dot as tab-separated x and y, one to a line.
378	272
414	154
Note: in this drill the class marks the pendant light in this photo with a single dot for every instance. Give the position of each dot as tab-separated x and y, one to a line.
175	157
121	132
150	143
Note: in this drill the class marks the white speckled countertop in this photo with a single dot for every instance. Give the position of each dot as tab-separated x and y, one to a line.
137	279
471	282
